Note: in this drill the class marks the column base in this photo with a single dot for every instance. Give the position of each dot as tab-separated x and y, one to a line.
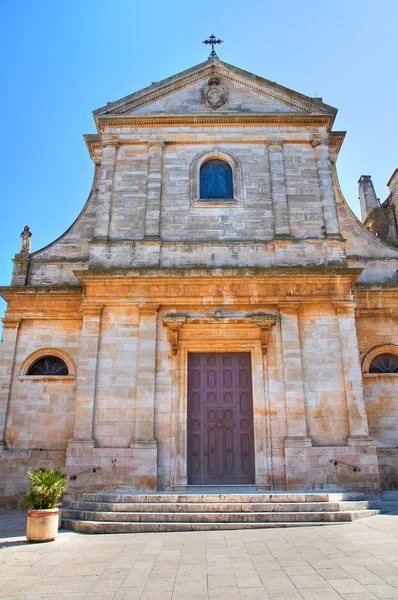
335	236
283	236
360	440
298	441
143	443
81	442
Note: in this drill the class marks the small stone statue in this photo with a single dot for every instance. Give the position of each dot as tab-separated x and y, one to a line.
26	244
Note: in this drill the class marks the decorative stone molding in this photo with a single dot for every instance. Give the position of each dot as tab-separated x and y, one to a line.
97	161
174	322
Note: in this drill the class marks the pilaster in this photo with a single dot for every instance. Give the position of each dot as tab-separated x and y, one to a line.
87	375
352	373
154	190
293	369
278	188
145	378
8	351
105	189
328	197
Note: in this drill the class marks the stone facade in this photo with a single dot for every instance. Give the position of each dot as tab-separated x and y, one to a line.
150	272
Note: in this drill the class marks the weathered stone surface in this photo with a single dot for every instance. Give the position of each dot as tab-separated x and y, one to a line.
150	272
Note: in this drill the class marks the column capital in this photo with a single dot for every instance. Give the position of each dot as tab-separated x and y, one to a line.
274	144
156	143
97	161
110	144
92	310
289	307
344	306
148	310
11	322
321	142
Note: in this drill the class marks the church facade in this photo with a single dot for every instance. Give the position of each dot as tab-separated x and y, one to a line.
216	315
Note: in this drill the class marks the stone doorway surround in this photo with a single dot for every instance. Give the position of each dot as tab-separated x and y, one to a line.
221	332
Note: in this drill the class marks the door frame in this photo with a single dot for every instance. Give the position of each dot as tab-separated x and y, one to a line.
260	397
220	408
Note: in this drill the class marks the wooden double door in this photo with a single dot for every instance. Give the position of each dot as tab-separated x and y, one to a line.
220	419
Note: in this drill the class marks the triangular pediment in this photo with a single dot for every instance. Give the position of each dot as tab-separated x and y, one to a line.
214	87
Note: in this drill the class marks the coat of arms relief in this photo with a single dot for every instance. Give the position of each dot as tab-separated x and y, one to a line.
214	93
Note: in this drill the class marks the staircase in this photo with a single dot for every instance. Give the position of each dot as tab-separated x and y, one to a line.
208	510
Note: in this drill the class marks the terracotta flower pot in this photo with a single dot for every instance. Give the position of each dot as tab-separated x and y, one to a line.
59	506
42	525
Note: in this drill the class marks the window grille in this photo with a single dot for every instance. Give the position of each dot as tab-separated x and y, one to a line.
216	180
384	363
48	365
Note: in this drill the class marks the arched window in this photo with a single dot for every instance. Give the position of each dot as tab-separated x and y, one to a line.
49	366
216	180
384	363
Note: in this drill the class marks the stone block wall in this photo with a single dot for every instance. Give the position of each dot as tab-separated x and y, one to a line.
114	417
41	411
326	408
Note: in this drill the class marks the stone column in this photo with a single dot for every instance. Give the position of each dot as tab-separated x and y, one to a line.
154	190
105	190
87	376
352	373
293	369
278	188
145	378
328	197
8	351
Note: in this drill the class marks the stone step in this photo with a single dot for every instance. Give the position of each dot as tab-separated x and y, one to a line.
215	517
199	507
390	495
131	527
120	497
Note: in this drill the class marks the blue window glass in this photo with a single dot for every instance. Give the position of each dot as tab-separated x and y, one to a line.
216	180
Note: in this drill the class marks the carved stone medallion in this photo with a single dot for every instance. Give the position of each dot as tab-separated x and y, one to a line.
214	93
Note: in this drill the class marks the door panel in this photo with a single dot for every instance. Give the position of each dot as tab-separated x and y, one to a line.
220	419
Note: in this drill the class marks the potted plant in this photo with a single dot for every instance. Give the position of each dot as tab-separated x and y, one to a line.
46	488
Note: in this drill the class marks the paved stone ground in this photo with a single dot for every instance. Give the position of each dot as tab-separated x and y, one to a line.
355	561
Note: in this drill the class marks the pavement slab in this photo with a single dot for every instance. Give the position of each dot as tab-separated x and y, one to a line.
353	561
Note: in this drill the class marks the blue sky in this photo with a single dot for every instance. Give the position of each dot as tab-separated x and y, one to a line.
62	59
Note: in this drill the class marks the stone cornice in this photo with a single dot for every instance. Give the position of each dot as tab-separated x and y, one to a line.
59	292
215	272
198	120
